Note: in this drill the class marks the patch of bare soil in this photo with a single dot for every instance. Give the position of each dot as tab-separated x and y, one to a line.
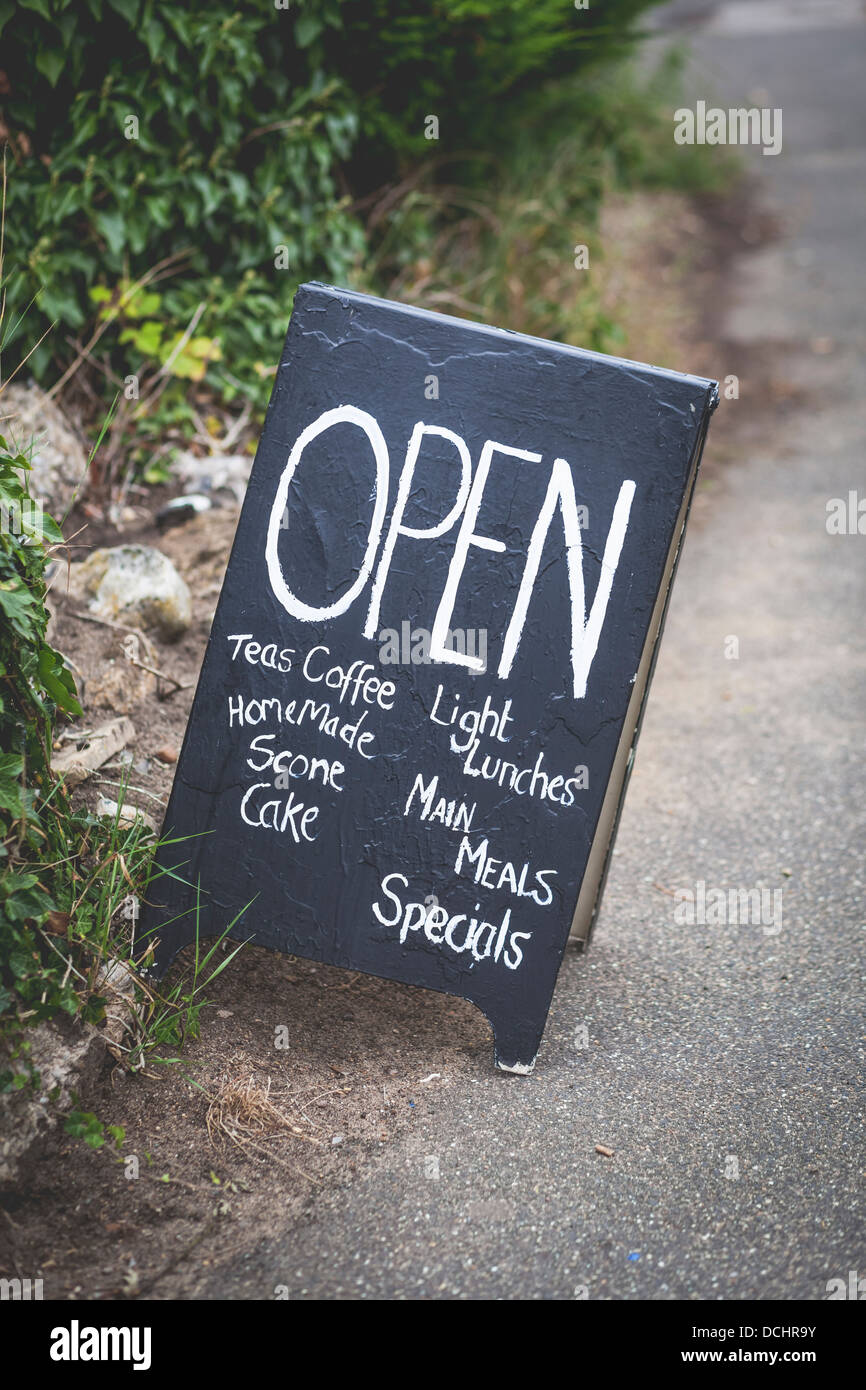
301	1076
241	1139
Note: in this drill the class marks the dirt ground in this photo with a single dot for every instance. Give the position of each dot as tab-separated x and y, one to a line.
302	1074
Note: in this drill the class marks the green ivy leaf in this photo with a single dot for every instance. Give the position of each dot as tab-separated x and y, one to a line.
307	29
50	62
141	305
58	681
146	338
11	767
127	8
18	606
113	228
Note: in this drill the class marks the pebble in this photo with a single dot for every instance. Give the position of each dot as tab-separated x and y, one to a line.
182	509
138	585
129	815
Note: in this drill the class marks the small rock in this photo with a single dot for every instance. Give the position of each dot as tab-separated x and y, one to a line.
37	427
136	584
76	763
220	473
181	509
117	982
129	815
120	687
337	1139
168	754
68	1055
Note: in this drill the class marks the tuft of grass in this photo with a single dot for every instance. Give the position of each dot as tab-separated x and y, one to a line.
242	1111
170	1016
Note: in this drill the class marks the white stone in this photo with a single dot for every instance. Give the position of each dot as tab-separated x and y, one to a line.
138	585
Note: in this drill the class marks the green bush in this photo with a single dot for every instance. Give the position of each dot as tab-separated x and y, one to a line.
208	144
34	679
234	154
64	874
478	65
34	683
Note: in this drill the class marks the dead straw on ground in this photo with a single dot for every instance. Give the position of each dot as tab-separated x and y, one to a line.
242	1111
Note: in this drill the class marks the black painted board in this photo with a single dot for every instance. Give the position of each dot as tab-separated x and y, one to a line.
425	487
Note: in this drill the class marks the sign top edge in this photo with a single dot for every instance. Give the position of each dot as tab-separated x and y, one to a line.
508	335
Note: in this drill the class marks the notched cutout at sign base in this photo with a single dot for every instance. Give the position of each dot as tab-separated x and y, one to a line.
420	811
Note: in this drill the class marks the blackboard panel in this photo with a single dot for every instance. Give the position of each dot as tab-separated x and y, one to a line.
547	482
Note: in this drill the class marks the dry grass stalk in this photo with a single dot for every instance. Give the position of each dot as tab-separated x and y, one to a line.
241	1110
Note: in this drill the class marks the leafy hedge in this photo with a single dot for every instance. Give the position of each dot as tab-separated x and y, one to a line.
477	64
226	142
65	875
234	153
34	683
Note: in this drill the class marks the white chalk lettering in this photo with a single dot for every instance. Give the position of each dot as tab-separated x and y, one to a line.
280	815
452	814
398	529
585	630
268	655
466	537
287	764
498	873
458	931
348	414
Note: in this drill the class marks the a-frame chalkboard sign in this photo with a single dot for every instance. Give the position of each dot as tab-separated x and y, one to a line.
419	701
